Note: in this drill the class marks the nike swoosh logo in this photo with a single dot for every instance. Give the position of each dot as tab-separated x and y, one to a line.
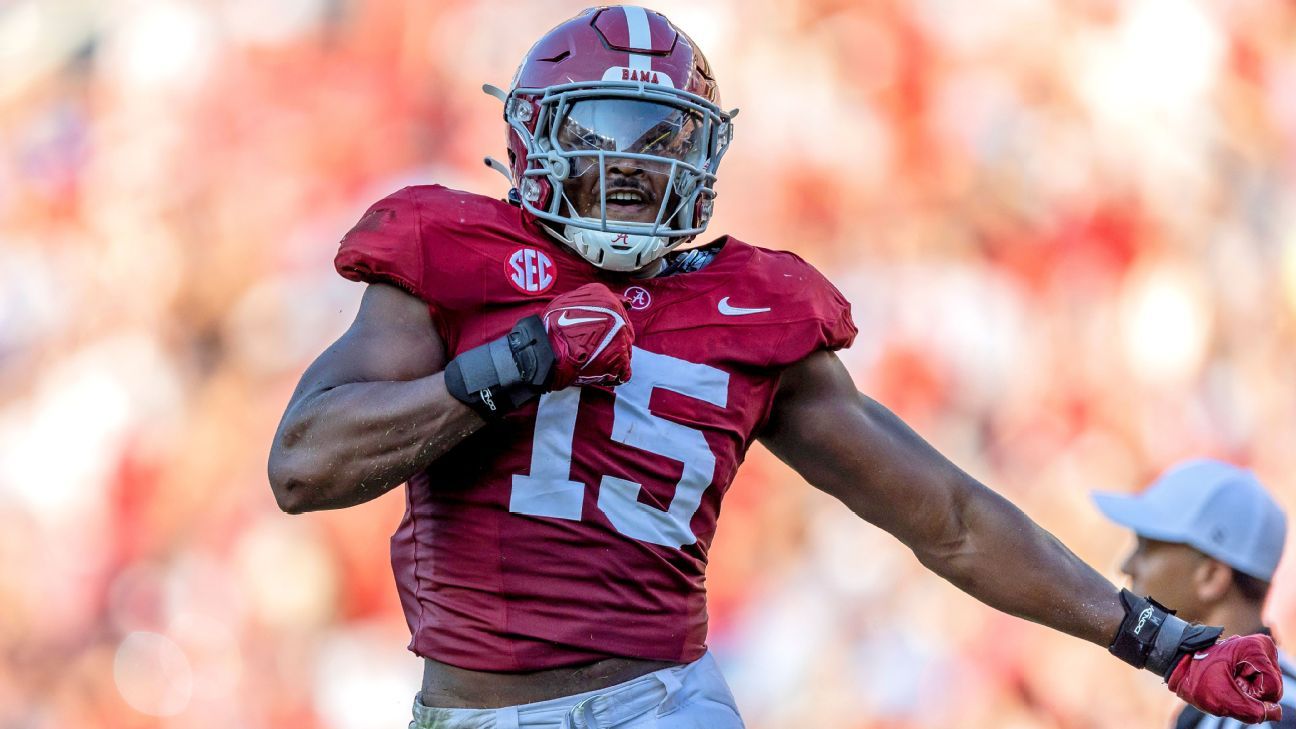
566	321
1199	656
728	310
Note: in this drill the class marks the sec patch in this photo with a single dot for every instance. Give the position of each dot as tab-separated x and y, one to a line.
531	271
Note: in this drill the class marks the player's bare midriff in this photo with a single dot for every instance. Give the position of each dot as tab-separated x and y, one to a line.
449	687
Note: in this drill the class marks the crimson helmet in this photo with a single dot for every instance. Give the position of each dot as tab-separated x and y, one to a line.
618	86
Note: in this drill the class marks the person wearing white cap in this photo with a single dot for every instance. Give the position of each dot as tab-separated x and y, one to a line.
1209	540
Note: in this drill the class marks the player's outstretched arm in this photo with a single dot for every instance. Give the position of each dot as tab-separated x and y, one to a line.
855	449
370	412
858	451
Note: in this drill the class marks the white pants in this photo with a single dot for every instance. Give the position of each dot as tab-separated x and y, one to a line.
693	696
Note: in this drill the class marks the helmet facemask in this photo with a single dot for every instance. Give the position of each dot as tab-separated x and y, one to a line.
642	159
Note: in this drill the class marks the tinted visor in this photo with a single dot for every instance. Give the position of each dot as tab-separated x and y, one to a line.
629	126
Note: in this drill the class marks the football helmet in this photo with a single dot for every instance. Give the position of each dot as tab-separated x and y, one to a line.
615	87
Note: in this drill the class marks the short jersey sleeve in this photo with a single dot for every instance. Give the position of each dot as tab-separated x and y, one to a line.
386	246
819	316
832	314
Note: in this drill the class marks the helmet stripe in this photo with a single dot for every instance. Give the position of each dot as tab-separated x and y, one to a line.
640	36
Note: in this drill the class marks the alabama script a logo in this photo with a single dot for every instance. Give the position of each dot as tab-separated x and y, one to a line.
639	298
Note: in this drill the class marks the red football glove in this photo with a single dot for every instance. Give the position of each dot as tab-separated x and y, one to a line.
591	337
1237	677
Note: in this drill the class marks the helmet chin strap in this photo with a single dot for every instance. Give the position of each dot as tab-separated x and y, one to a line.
596	247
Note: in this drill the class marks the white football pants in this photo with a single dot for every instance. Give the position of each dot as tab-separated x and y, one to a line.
692	696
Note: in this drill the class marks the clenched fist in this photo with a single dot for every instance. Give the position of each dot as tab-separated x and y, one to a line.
1237	677
591	338
582	338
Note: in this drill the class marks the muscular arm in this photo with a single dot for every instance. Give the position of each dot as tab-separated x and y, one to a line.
370	412
853	448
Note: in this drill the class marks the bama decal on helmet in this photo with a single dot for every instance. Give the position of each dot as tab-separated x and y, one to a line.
648	76
531	271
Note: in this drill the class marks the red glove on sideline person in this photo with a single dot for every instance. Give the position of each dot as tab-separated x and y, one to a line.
1237	677
591	336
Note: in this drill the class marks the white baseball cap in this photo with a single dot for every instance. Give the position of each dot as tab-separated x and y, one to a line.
1218	509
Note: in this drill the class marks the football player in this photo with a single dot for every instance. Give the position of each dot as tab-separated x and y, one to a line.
567	401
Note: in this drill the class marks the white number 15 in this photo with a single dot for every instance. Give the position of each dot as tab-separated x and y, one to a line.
549	491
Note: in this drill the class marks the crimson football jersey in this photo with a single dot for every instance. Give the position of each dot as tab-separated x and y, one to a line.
577	528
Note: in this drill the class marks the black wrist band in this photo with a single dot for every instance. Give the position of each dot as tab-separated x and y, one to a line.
502	375
1151	637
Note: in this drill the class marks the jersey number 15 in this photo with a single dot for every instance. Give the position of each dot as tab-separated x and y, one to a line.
549	491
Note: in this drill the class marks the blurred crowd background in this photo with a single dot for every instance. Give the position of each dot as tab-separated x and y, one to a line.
1068	230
